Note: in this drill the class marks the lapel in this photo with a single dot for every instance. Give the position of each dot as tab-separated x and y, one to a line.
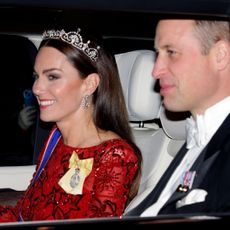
201	167
205	159
219	139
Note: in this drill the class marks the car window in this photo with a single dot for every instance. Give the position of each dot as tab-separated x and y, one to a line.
17	56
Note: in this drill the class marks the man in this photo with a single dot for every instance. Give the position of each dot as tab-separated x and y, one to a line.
193	68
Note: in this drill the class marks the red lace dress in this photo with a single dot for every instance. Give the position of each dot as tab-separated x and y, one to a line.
104	193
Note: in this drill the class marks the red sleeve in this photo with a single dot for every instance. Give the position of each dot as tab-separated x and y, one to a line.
113	179
9	213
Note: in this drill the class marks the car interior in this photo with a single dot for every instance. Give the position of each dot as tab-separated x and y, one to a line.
147	117
127	29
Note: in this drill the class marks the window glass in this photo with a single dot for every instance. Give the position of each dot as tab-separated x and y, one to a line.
17	55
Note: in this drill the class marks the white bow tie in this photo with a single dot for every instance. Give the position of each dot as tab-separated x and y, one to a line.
196	132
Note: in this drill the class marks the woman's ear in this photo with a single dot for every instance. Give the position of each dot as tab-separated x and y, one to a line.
92	82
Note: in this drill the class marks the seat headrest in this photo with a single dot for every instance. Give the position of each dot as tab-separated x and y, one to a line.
135	67
173	123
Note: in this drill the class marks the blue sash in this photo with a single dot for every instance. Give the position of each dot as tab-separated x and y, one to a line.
50	146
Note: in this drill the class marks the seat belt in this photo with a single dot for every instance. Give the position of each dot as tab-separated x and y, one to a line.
50	146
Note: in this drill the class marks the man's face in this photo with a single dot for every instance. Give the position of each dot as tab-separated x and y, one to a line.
186	76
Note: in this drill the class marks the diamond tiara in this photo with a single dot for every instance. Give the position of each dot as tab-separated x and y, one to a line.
75	39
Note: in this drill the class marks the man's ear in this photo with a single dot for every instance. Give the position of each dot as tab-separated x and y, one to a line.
91	83
222	52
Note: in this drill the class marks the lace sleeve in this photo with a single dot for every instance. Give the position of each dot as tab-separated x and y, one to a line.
114	175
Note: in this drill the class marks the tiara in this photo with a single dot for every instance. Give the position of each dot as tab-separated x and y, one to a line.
75	39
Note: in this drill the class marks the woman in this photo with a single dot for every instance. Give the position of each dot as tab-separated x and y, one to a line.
90	166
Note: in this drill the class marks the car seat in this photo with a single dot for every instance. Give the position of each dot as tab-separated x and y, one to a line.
143	103
158	132
166	142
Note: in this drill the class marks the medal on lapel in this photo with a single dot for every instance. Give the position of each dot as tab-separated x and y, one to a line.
73	180
187	179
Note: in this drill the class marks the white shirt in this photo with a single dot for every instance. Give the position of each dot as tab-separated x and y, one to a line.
207	125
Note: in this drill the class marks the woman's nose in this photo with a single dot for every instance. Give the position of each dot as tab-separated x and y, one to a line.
37	87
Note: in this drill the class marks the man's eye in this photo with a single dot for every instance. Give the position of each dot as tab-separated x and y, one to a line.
157	53
171	52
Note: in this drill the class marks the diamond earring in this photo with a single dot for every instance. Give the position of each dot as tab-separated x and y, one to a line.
85	102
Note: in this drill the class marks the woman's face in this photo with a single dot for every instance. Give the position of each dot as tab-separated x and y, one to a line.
57	86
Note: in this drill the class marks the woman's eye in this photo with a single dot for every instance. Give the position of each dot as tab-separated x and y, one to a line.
52	77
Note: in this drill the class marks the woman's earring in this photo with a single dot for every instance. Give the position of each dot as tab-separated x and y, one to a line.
85	102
